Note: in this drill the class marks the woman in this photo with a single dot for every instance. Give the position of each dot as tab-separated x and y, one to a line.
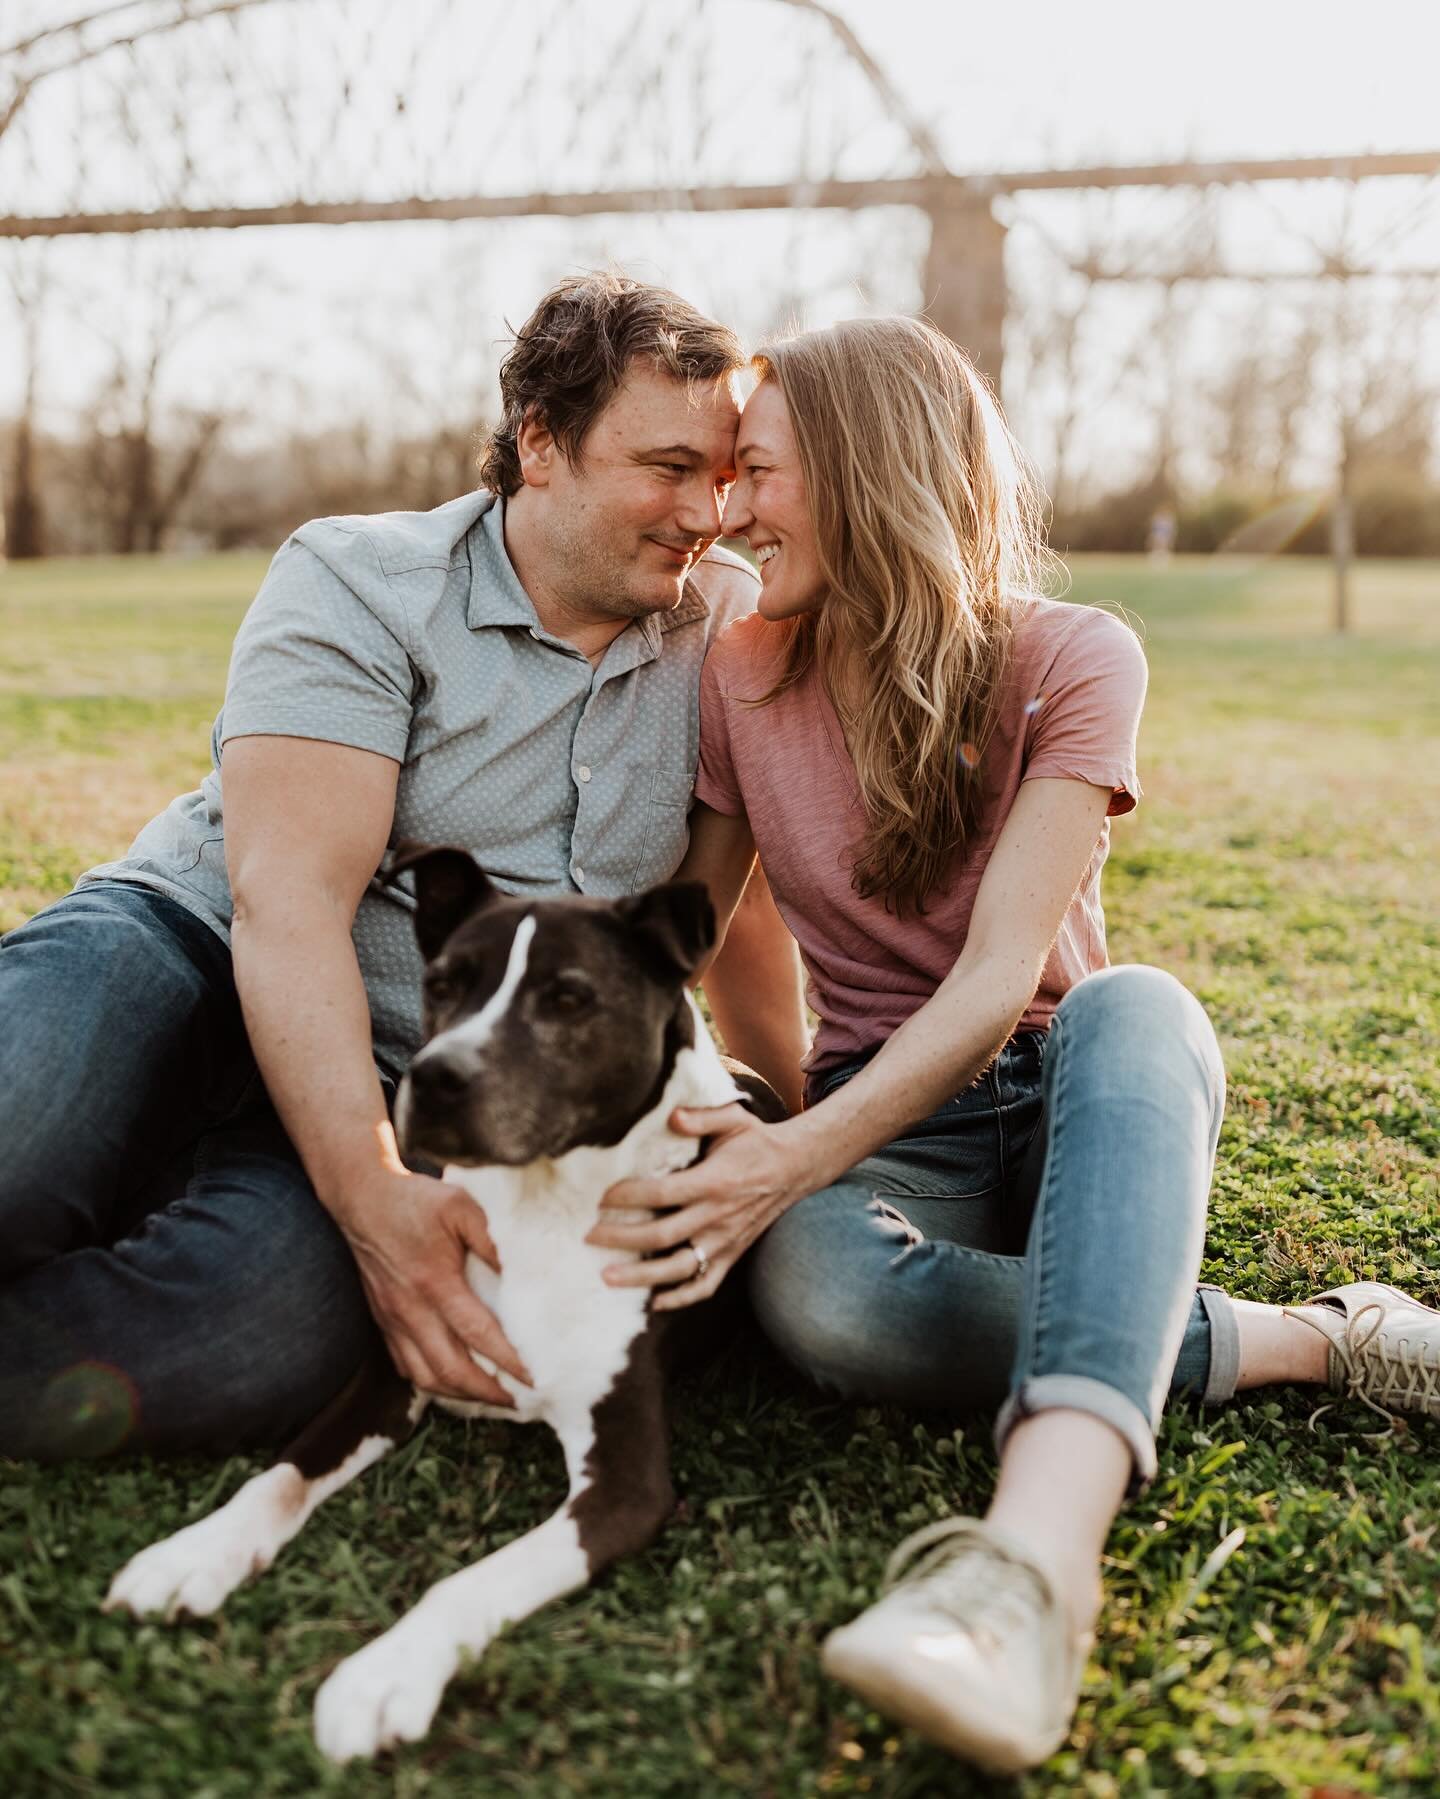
926	754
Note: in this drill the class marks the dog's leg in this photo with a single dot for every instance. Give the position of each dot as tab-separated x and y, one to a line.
198	1568
620	1496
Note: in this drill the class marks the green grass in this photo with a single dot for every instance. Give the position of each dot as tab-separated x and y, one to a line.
1283	865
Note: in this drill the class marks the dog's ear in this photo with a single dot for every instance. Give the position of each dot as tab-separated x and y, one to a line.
450	885
675	923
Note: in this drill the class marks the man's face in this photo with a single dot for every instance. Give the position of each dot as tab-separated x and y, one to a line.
627	521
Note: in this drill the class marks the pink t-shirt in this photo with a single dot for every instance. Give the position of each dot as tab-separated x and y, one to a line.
1070	709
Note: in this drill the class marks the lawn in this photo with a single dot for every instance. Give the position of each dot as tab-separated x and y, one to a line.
1284	866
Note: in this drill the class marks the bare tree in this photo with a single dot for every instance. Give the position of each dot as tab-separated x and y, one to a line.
142	458
22	528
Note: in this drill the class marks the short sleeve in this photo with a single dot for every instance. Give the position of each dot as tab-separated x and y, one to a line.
314	659
715	782
1085	722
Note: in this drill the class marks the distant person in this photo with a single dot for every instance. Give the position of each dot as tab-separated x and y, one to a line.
200	1190
1161	538
996	1196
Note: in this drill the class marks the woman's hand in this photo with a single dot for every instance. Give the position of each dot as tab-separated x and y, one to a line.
722	1204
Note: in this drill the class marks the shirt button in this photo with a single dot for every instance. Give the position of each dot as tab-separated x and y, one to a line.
582	773
579	874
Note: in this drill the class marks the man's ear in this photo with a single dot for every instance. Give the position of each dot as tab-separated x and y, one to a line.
450	885
675	923
535	449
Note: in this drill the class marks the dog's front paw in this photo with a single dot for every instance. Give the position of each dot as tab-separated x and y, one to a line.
385	1694
194	1571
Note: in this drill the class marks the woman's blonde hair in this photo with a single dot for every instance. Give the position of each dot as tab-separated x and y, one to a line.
929	525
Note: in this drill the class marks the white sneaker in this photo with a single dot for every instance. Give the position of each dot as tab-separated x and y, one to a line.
969	1646
1384	1346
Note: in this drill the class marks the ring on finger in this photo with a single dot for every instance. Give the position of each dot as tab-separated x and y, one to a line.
702	1261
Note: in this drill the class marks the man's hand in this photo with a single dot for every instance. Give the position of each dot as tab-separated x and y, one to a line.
410	1235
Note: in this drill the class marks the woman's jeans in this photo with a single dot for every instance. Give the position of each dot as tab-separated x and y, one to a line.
168	1279
1034	1243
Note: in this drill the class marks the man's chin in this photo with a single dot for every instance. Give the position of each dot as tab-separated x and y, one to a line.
655	594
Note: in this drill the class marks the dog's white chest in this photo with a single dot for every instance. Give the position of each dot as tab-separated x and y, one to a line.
572	1331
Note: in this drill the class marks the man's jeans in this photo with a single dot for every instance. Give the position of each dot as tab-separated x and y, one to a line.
1034	1243
168	1279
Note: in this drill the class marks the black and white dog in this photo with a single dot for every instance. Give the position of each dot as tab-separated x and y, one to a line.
560	1035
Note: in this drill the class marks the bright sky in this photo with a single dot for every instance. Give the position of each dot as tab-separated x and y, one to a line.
308	322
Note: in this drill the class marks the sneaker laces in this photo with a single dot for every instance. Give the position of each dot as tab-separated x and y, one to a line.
967	1574
1400	1374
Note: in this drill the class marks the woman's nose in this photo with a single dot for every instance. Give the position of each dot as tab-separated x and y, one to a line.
738	517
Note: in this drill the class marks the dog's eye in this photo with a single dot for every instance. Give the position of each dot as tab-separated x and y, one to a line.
567	998
440	987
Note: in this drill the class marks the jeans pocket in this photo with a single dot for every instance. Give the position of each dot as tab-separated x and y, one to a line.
955	1153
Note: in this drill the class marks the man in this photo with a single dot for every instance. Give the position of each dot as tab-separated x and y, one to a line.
197	1046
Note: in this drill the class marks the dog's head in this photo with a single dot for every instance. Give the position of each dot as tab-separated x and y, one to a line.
548	1023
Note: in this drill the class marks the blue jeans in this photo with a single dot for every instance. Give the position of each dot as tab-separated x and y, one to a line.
168	1279
1034	1243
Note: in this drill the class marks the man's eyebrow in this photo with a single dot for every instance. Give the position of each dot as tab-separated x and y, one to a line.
671	452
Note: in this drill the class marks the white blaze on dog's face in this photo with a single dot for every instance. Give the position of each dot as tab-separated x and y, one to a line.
549	1023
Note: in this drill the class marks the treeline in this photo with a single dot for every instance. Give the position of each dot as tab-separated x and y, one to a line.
1395	511
191	490
115	493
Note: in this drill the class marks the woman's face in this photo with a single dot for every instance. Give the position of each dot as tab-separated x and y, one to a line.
768	507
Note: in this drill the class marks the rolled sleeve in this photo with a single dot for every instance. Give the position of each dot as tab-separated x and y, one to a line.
715	782
317	658
1087	719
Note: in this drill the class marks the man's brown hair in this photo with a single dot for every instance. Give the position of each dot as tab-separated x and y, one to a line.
573	351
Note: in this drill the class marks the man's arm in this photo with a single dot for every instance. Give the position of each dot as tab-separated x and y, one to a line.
306	826
757	995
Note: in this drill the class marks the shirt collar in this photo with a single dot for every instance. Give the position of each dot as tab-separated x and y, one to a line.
497	598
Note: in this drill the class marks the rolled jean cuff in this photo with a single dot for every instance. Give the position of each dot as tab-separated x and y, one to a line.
1079	1393
1224	1373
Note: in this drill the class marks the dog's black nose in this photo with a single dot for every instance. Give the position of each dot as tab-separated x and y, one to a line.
437	1079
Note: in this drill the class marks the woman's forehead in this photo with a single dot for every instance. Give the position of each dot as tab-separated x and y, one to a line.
765	420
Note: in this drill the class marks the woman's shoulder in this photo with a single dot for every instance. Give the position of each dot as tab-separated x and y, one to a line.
747	657
1063	633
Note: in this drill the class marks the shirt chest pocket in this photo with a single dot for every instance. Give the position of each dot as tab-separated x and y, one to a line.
666	833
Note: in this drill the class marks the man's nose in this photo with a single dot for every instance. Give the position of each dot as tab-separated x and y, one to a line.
700	511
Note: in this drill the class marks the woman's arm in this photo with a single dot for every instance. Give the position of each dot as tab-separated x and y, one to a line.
756	994
1032	876
721	854
752	979
756	1171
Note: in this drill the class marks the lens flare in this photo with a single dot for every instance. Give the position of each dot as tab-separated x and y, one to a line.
1275	530
1033	706
98	1403
969	755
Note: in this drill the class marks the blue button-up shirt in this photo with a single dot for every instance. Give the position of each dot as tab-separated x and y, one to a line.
409	634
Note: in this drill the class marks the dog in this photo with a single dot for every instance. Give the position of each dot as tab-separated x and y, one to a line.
560	1034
